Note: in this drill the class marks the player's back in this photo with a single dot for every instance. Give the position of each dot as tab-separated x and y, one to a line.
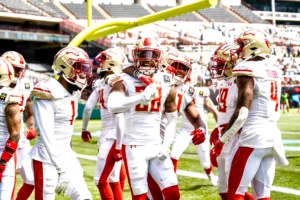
142	122
260	129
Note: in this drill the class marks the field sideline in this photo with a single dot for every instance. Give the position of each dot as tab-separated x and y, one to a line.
195	188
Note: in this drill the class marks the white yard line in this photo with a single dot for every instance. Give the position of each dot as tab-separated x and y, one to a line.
203	176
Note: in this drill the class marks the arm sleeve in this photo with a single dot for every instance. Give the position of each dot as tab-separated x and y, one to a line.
170	127
88	108
120	129
45	127
118	102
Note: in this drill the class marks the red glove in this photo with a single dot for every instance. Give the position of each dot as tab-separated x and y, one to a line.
217	149
117	155
198	136
86	135
2	168
170	69
213	159
31	134
146	79
214	136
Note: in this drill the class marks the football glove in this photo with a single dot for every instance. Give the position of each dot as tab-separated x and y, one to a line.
149	92
217	149
213	159
86	135
2	169
117	155
214	136
145	79
62	184
198	136
31	134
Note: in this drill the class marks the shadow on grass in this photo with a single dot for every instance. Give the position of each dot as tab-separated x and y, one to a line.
195	187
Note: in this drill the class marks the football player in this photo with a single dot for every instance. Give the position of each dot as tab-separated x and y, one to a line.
24	86
10	122
143	107
257	113
109	155
55	165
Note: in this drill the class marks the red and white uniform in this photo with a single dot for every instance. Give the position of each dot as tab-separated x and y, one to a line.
183	138
55	110
107	169
226	106
24	86
260	139
7	184
142	137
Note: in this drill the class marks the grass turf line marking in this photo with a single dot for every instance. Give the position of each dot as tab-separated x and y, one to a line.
204	176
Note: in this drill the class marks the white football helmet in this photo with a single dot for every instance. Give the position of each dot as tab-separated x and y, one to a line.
7	73
110	60
179	63
253	43
147	56
17	61
74	65
223	60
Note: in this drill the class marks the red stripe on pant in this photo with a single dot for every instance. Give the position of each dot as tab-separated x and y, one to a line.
38	179
237	170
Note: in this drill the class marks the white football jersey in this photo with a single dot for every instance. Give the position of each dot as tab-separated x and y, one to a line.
199	97
142	121
260	129
55	111
108	119
5	92
226	106
24	86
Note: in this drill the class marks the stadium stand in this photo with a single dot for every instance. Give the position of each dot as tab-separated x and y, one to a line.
218	15
79	10
49	8
186	17
18	6
247	14
128	11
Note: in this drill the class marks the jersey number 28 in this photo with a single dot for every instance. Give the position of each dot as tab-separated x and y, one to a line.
153	105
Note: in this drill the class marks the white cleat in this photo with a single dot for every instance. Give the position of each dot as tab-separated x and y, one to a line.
212	179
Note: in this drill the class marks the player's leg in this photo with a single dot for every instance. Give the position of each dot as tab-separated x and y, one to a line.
45	180
105	165
154	189
244	166
26	172
182	141
137	169
222	177
114	181
264	177
122	175
8	181
77	189
203	153
164	175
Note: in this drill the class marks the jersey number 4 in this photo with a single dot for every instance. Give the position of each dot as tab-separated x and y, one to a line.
154	104
274	94
222	99
101	99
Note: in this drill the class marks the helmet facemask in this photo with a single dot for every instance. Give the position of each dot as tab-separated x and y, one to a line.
182	71
147	60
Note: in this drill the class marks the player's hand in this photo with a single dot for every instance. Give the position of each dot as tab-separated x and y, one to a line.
217	149
163	153
62	184
117	155
214	136
198	136
31	134
213	159
86	135
146	79
149	92
2	169
170	70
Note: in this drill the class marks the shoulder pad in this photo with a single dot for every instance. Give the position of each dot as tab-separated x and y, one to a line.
112	79
8	95
191	91
203	91
42	90
164	78
28	84
243	69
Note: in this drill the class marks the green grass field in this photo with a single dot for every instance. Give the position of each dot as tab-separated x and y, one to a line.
193	188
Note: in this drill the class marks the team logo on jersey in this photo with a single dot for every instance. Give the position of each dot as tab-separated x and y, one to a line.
167	79
3	96
27	86
201	92
191	91
106	80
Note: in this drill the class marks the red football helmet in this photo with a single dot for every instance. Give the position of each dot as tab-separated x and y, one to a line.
223	60
147	56
17	61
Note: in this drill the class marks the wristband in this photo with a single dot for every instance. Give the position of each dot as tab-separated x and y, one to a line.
11	145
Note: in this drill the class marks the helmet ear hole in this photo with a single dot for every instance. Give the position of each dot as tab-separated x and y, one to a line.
253	48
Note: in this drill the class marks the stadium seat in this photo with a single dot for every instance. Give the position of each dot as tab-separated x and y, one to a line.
127	11
79	10
19	6
218	15
247	14
49	8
